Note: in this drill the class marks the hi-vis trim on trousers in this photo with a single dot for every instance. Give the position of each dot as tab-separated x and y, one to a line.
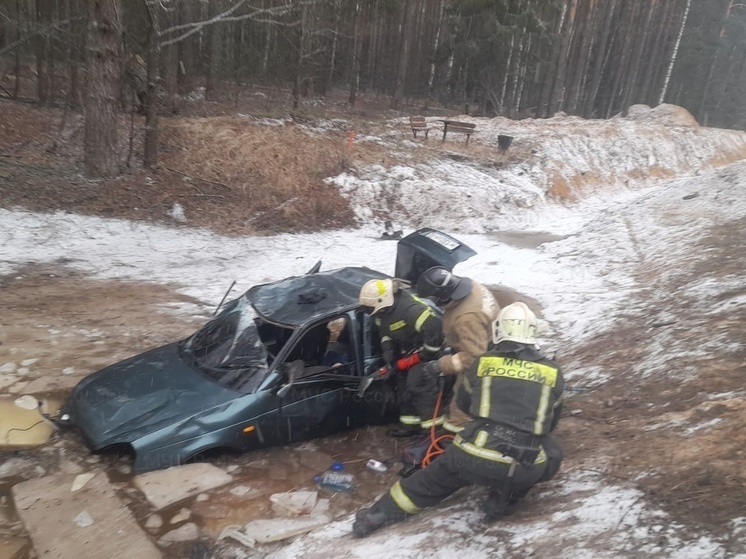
448	426
429	423
401	499
410	419
492	455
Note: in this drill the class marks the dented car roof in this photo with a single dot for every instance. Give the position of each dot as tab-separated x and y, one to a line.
298	300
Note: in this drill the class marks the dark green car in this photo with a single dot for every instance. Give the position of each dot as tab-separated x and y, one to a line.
287	361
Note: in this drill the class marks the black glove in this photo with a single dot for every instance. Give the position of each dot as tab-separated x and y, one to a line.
387	348
424	378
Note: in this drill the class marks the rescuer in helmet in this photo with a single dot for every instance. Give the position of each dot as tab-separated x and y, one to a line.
513	395
411	334
469	311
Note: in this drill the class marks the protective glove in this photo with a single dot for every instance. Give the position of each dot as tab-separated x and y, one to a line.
387	348
424	378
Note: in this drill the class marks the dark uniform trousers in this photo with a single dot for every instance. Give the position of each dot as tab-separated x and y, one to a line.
421	400
456	469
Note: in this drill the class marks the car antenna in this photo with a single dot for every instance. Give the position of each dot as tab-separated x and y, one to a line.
223	299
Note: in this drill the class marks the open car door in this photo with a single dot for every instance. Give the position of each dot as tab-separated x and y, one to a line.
426	248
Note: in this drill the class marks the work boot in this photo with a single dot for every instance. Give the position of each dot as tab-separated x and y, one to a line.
496	508
367	521
403	432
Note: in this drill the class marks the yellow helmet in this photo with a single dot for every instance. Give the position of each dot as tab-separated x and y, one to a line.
377	294
517	323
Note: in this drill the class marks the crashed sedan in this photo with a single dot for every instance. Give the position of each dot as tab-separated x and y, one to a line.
287	361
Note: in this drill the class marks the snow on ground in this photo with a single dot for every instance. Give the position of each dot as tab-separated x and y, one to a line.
560	154
582	281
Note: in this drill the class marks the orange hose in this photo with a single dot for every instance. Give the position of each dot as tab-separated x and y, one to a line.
435	449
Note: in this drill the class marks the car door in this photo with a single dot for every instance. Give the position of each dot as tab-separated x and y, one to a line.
319	401
377	403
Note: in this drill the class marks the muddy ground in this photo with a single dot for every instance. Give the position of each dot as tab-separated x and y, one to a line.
642	433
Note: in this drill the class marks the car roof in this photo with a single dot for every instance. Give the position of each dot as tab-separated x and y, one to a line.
298	300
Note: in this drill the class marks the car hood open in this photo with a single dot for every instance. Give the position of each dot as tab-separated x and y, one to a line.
129	399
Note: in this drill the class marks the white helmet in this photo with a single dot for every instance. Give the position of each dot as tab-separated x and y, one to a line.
377	294
517	323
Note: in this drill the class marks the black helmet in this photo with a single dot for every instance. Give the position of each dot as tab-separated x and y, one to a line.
440	285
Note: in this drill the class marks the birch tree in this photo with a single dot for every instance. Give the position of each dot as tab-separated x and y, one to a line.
675	52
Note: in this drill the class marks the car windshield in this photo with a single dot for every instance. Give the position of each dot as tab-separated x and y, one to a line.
228	349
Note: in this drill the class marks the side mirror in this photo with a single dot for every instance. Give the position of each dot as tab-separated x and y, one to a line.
293	371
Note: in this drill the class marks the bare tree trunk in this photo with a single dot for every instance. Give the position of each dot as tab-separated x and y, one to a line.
183	48
150	155
41	42
587	32
713	64
675	53
237	50
75	54
652	72
104	49
403	54
267	48
299	67
374	25
355	78
17	60
620	66
506	75
436	44
335	41
559	89
545	103
642	45
168	63
210	52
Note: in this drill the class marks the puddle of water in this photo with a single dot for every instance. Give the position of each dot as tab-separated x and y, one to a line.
21	427
526	239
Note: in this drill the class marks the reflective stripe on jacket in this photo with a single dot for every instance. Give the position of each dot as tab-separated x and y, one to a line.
410	324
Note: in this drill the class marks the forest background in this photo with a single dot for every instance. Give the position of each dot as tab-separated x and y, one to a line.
510	58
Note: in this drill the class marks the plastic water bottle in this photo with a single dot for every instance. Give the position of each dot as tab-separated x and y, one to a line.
336	481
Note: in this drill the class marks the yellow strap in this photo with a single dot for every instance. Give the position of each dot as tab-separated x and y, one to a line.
401	499
410	419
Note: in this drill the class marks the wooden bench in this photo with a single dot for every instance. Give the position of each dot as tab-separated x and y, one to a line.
460	127
419	124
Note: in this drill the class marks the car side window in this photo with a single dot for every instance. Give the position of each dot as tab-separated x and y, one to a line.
325	346
338	350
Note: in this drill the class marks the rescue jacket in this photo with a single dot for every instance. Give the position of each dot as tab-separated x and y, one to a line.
467	327
516	386
409	325
514	394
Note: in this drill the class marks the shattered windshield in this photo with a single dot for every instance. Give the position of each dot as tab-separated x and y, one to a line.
229	350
